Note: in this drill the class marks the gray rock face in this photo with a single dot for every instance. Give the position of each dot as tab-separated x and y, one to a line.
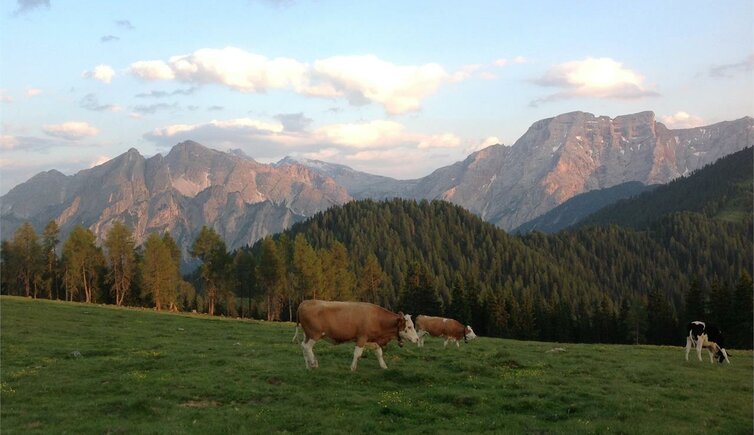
192	186
560	157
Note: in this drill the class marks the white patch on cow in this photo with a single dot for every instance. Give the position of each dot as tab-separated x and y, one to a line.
378	351
470	333
309	358
408	332
356	355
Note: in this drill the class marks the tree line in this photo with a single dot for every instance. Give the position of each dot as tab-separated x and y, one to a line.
598	284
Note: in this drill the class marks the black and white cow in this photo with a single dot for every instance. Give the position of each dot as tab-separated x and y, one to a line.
703	336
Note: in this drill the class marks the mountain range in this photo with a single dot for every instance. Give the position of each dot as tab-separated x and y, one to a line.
244	200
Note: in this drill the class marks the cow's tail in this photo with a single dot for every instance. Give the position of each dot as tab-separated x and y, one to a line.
295	336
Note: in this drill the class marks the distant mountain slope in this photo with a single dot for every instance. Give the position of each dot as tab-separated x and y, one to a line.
720	190
580	206
191	186
557	159
360	185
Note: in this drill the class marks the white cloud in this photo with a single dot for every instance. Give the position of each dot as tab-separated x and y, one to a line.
682	120
489	141
8	142
103	73
325	154
152	70
516	60
99	160
486	75
597	78
73	130
232	67
465	73
364	135
33	92
399	88
359	79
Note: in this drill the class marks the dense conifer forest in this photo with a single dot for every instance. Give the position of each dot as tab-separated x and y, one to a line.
674	260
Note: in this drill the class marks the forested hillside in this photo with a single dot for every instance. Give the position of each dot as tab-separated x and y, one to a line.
585	285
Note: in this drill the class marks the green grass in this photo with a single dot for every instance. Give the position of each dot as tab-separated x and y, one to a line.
147	372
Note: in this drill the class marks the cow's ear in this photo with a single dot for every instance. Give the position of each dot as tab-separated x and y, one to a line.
400	313
401	322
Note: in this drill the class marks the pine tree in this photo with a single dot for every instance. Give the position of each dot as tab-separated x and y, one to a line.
420	293
695	303
742	312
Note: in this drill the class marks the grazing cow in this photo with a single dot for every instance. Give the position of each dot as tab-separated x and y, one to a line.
703	336
448	329
339	322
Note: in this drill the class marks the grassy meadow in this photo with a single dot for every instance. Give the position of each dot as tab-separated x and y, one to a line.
140	371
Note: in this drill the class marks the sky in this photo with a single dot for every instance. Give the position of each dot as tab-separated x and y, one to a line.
396	88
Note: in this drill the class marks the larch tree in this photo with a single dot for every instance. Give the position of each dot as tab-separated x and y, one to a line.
159	273
82	260
210	249
370	280
182	288
29	253
307	269
338	280
51	275
271	276
121	260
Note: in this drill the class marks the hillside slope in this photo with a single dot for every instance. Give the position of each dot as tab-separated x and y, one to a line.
722	190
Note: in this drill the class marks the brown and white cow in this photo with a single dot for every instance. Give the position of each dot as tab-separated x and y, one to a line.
449	329
339	322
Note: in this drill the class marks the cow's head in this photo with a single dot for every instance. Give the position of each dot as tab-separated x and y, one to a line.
406	329
722	355
468	334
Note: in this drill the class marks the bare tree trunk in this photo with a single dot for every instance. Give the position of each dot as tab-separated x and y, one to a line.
86	286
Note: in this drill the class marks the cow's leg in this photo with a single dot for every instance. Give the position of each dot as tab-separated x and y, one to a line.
688	347
699	345
311	360
356	355
458	345
446	342
421	335
711	359
378	351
